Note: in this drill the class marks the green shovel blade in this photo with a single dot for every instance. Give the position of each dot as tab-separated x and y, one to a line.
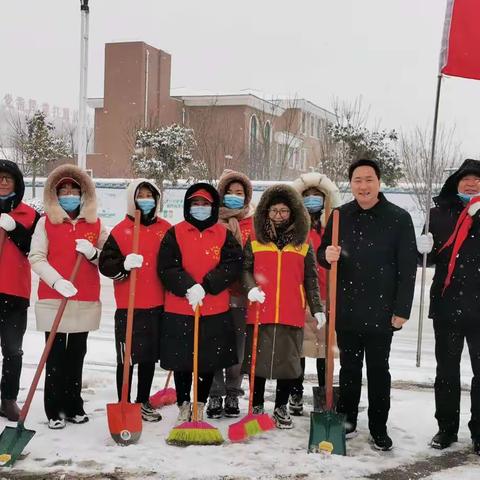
12	442
327	433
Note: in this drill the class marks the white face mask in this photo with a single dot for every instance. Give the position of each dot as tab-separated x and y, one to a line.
201	212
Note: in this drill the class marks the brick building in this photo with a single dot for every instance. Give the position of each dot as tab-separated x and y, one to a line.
266	138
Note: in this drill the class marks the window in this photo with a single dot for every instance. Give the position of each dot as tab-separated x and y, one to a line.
279	153
312	126
291	158
253	135
304	122
319	128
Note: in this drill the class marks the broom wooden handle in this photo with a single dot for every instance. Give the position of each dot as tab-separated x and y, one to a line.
3	237
196	325
253	361
332	315
48	345
130	311
167	381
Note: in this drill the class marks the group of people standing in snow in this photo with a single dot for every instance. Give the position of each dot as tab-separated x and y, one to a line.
240	264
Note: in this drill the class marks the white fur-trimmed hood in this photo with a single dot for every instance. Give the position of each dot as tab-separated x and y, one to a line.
55	213
132	189
324	184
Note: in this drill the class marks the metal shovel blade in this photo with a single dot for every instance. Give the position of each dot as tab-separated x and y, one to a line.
12	442
320	399
327	433
125	422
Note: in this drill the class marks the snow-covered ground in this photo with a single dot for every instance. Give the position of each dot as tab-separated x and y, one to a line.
89	450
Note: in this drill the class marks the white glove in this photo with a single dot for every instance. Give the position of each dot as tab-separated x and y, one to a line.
256	295
86	248
65	288
195	295
425	243
132	260
7	222
321	319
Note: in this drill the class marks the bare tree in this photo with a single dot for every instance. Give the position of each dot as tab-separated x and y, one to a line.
219	143
415	149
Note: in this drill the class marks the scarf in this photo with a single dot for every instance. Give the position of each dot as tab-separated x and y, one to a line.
231	216
458	236
279	236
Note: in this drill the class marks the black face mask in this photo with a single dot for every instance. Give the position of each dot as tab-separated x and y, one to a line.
282	226
6	203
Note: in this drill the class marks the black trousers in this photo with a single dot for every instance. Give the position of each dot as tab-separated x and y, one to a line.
375	347
63	376
145	372
183	384
13	324
297	385
448	352
281	394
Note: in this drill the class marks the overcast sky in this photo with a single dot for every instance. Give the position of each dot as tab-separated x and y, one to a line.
384	50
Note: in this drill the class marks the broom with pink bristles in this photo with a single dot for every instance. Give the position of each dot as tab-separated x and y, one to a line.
165	396
251	424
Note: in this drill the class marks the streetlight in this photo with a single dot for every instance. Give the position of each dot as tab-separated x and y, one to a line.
82	104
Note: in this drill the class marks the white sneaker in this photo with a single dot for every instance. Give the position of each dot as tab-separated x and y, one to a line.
77	419
56	424
184	413
200	409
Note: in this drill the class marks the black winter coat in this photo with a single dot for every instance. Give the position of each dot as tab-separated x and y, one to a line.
217	342
459	305
377	266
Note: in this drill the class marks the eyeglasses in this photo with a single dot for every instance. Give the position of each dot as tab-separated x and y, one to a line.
283	212
5	178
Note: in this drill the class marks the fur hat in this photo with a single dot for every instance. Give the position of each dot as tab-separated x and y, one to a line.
88	209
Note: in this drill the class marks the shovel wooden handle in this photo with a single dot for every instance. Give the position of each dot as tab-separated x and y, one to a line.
48	345
332	315
130	311
196	327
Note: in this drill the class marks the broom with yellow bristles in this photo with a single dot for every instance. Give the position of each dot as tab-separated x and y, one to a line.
195	432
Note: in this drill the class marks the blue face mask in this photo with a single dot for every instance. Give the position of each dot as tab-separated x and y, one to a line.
146	205
233	201
201	212
313	203
465	197
6	197
69	202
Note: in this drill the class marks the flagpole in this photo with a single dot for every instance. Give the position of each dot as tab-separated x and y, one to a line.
82	102
421	312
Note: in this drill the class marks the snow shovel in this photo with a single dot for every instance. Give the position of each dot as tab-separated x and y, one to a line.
327	429
14	439
125	419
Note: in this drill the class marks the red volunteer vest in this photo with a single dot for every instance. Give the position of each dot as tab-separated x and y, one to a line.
316	239
280	274
15	277
200	254
150	294
62	255
246	229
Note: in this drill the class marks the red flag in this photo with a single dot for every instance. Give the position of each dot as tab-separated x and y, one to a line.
460	54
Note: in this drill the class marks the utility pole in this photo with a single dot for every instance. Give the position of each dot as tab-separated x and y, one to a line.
82	104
